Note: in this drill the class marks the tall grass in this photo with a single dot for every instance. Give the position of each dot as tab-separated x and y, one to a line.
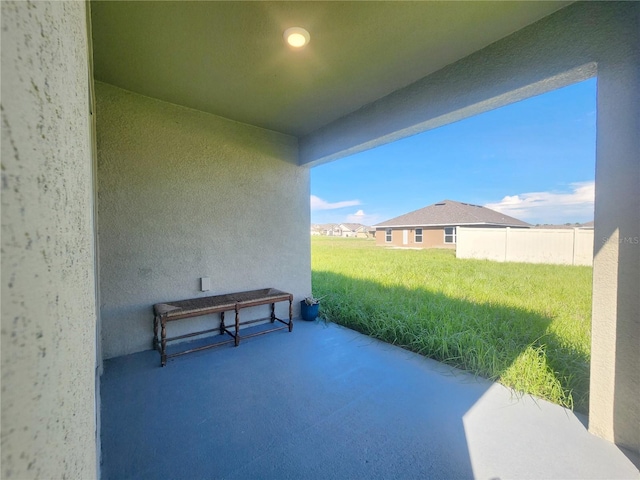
526	326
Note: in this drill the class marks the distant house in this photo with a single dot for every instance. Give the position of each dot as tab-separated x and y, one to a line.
435	226
340	230
353	230
327	229
565	226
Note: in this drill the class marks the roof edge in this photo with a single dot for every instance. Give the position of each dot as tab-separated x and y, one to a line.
413	225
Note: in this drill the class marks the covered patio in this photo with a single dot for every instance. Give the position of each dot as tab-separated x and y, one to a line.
147	145
327	402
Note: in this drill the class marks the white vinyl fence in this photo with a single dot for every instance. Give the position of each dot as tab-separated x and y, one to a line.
564	246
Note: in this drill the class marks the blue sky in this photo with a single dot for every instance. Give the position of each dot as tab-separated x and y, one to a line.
533	160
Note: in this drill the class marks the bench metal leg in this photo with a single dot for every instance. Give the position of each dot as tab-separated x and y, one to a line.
155	332
163	344
290	313
237	338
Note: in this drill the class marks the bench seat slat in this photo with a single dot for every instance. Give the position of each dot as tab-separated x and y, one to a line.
217	303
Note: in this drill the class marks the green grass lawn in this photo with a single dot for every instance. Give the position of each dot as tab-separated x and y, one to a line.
524	325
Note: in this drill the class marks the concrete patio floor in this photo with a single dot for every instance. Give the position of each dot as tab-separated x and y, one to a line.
325	402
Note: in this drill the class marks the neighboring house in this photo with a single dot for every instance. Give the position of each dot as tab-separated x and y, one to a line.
353	230
435	226
323	229
327	229
340	230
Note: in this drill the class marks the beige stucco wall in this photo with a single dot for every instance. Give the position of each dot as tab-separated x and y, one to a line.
48	295
182	195
431	238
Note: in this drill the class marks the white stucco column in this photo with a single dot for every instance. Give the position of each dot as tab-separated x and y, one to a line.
615	352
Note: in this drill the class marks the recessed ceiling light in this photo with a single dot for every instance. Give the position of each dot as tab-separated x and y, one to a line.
296	37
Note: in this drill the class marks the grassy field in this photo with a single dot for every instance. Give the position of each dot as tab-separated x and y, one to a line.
526	326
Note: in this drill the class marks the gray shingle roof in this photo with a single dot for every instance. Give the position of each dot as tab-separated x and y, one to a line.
353	226
449	212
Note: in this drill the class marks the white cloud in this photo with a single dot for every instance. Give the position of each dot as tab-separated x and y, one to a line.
318	203
550	207
356	217
363	218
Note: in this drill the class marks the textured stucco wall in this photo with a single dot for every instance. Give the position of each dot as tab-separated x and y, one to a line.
48	297
183	194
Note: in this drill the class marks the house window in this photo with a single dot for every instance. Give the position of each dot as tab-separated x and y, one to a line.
417	235
449	234
388	235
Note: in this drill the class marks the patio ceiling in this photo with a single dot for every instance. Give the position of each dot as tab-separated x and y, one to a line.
229	58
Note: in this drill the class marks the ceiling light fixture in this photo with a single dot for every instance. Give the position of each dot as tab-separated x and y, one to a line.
296	37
